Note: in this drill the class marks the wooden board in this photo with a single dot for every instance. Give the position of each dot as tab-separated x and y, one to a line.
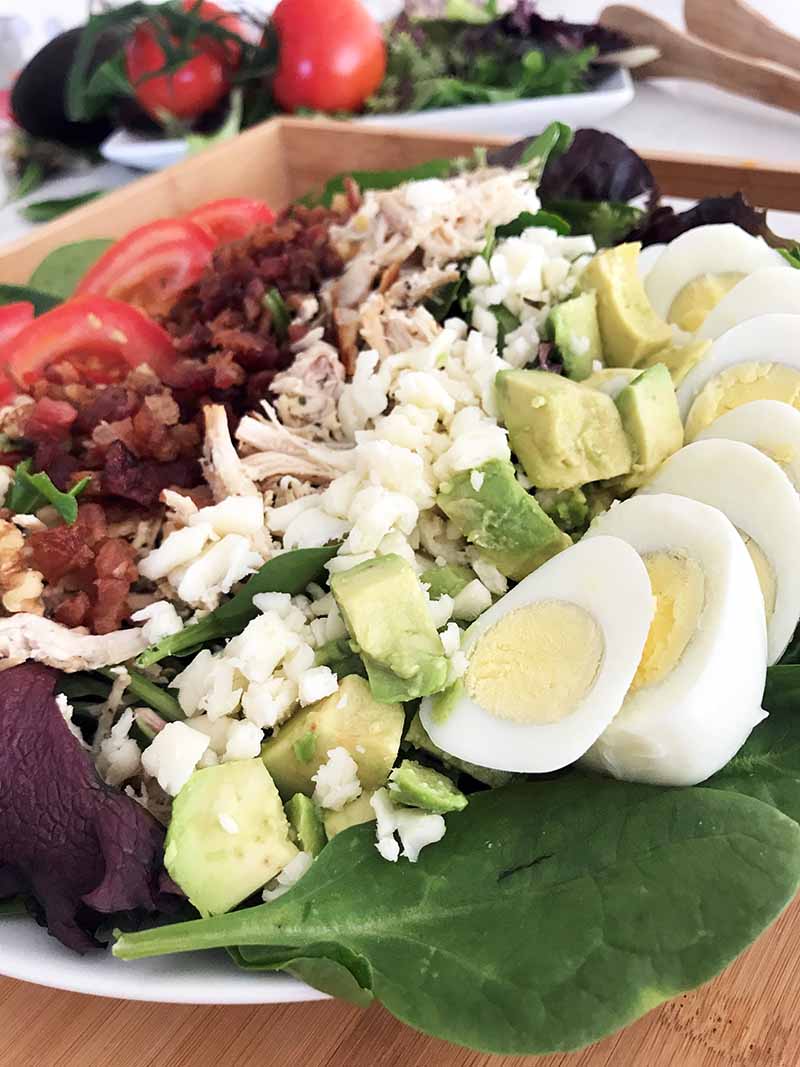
746	1018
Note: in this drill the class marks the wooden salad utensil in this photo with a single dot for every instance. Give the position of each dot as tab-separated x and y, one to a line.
682	55
735	25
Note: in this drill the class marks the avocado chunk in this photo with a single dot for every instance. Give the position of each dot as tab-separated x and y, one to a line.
352	814
500	518
448	580
679	359
423	787
612	380
568	508
387	615
228	835
577	334
350	718
630	329
417	737
563	433
306	823
650	417
338	654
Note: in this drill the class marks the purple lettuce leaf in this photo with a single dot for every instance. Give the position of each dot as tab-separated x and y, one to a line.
80	849
598	166
665	224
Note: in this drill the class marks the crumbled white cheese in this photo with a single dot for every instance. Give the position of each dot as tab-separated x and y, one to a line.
441	610
336	781
65	708
472	601
160	620
120	757
415	828
289	876
266	704
316	684
173	754
451	639
242	515
177	549
489	575
220	567
244	741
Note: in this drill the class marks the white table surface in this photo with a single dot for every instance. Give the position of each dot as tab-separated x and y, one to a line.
666	115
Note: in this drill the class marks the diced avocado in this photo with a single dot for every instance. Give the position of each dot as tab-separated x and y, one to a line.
228	835
447	580
350	718
564	433
340	657
612	380
577	334
306	822
502	519
423	787
679	359
352	814
417	736
387	615
599	498
305	747
651	419
568	508
629	327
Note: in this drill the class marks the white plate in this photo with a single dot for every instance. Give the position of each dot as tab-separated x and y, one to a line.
28	952
519	118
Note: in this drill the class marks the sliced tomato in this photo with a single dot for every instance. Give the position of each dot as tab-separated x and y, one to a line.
152	265
14	318
232	217
104	339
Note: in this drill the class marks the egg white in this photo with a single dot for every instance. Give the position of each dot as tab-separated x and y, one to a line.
760	501
607	579
685	727
721	248
772	291
771	338
768	425
648	257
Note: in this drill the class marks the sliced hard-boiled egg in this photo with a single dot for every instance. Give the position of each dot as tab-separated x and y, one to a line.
771	426
648	257
773	291
762	504
549	664
697	269
697	692
757	360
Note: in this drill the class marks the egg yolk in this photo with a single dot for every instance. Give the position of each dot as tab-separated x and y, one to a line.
764	571
702	294
738	385
678	586
537	663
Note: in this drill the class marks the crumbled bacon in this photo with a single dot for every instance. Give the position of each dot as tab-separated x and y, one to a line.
49	419
64	549
141	482
73	610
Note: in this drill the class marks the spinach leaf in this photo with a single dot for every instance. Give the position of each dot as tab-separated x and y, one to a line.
155	696
290	572
29	492
382	179
608	222
441	303
275	305
47	210
42	302
552	913
60	272
527	219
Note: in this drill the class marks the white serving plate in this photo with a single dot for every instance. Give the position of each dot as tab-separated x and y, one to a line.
517	118
28	953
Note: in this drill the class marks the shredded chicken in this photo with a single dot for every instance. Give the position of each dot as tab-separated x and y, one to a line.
274	451
222	467
389	330
25	636
308	391
415	286
20	587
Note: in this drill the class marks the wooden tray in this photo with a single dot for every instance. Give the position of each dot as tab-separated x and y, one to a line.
745	1018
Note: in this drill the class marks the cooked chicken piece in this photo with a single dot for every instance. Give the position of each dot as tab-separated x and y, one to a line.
274	451
389	330
346	322
25	636
415	286
20	587
222	467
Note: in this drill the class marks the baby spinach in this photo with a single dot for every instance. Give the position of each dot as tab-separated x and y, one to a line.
552	913
29	492
527	219
60	272
47	210
14	294
290	572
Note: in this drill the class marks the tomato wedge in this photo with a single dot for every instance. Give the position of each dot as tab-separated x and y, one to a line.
231	218
152	265
102	338
14	318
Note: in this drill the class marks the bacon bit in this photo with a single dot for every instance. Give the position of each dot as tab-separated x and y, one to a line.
50	418
65	549
111	606
73	610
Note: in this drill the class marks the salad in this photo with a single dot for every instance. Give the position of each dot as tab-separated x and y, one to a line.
405	584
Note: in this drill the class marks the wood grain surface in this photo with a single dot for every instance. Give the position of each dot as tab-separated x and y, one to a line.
748	1017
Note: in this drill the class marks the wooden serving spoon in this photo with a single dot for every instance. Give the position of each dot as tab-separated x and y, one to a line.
735	25
683	55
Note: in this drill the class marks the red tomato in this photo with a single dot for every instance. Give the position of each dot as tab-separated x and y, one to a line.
14	318
232	217
151	265
332	55
103	338
196	86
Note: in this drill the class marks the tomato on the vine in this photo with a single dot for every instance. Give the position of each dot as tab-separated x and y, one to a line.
332	55
198	84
